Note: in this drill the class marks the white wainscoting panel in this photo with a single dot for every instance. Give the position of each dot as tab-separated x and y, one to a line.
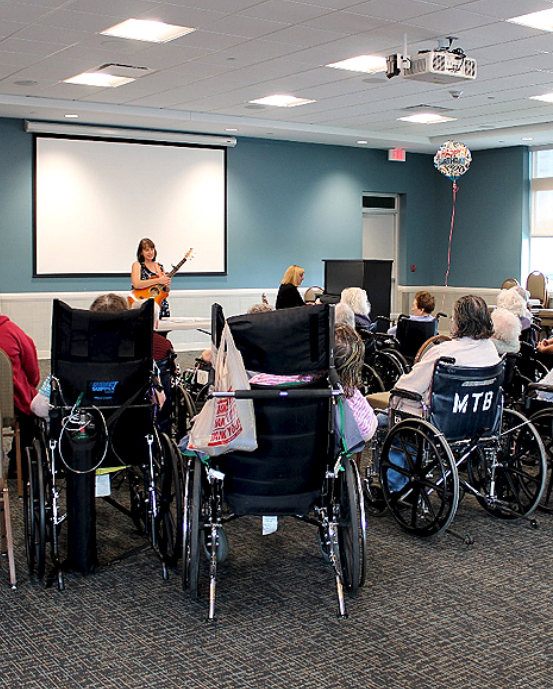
32	311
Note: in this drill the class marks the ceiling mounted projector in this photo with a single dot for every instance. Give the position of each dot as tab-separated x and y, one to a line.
445	65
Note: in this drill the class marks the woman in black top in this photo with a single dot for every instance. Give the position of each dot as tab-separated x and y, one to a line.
288	294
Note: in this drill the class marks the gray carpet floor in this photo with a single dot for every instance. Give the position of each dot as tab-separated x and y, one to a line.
434	614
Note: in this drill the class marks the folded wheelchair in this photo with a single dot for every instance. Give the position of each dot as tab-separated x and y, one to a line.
464	442
101	439
296	469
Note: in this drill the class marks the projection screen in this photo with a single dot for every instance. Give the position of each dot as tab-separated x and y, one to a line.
95	199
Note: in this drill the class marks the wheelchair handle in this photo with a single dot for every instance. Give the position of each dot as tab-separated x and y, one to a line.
275	394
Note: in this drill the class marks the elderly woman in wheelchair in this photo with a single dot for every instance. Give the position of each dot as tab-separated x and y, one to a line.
448	432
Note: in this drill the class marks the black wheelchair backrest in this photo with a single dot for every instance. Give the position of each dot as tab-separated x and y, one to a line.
286	342
412	334
466	402
105	356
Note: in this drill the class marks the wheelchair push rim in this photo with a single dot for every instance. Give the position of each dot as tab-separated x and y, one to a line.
512	486
419	478
543	421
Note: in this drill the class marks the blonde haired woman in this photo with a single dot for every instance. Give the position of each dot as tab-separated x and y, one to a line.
288	294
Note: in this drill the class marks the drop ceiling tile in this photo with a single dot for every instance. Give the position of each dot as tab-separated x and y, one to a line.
286	10
21	12
404	9
193	17
114	8
346	22
82	21
36	49
8	28
248	27
453	21
302	36
505	9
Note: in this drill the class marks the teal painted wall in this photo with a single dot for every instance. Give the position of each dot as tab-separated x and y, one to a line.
491	219
301	203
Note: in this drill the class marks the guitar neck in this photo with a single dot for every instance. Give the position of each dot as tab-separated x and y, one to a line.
177	267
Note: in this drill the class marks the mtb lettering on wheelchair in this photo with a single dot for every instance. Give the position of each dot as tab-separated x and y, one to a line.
480	401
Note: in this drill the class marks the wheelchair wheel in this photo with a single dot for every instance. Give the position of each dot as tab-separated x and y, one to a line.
191	547
512	486
543	421
34	500
371	382
397	355
388	367
419	477
362	524
349	531
183	410
169	518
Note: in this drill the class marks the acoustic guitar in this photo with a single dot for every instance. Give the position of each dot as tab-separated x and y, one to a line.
158	292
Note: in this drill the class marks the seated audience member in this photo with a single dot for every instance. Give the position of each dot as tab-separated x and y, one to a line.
343	315
507	329
358	301
21	351
259	308
424	304
511	300
288	294
110	302
471	345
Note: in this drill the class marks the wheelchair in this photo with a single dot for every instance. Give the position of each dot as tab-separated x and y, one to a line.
465	442
101	439
296	469
538	405
383	365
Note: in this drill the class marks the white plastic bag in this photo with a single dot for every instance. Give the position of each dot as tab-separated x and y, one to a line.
226	424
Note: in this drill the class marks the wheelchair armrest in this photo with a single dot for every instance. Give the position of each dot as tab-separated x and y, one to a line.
542	387
385	319
406	394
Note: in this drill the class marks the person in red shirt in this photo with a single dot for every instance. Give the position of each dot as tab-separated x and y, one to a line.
21	350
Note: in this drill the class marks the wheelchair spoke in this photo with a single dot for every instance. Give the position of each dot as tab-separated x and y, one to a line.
419	478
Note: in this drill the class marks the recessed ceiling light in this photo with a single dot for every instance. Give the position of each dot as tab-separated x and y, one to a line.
147	30
426	118
362	141
70	116
362	63
100	79
527	138
231	129
281	101
537	20
545	97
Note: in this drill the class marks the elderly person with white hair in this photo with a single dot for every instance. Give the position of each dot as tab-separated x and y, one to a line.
511	300
507	329
358	301
343	315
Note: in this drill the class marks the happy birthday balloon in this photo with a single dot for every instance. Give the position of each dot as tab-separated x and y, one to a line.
453	159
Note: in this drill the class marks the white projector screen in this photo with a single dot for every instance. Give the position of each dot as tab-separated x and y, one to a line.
96	199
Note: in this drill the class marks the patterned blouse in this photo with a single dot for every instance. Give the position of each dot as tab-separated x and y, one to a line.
147	274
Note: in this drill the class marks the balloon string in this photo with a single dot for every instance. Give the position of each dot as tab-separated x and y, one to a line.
455	188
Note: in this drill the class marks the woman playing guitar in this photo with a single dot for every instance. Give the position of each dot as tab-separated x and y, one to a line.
146	272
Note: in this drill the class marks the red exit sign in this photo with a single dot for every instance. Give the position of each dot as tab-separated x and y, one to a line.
397	154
